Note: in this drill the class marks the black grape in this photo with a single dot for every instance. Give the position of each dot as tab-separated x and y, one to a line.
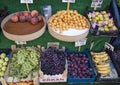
53	61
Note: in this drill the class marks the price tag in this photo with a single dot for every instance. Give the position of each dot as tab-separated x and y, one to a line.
53	44
96	3
80	42
71	1
26	1
109	46
20	42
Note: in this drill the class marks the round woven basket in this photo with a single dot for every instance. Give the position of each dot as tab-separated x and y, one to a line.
70	38
26	37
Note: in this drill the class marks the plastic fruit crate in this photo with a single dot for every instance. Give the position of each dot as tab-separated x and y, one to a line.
71	80
113	75
102	23
115	58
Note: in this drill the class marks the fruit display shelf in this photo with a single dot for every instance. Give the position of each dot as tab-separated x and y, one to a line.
102	23
104	67
22	37
80	68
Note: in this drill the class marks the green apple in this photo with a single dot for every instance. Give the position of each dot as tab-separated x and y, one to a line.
5	63
0	66
3	68
6	59
1	74
1	61
2	55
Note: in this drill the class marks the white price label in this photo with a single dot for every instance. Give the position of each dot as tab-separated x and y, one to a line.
71	1
109	46
26	1
20	42
80	42
96	3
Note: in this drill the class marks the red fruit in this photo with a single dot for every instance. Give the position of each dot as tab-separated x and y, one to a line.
19	14
40	18
28	18
34	20
14	18
34	13
22	18
26	13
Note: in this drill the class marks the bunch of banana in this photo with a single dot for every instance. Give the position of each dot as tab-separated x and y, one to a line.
101	61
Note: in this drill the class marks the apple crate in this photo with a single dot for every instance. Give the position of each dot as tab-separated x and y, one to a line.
109	78
55	76
4	62
114	11
102	23
31	78
89	77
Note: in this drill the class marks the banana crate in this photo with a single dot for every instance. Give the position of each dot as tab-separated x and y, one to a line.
104	67
80	68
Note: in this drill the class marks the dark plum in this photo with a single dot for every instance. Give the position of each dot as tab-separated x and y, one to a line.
78	65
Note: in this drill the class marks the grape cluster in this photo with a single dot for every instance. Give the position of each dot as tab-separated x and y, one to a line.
23	62
53	61
78	65
117	56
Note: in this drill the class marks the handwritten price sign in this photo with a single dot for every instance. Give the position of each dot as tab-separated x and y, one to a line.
26	1
71	1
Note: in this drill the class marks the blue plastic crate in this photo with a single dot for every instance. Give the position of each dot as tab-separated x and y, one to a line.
71	80
115	12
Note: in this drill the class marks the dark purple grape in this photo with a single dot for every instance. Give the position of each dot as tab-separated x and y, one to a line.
53	61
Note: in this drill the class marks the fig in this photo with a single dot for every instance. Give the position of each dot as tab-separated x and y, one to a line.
34	20
22	18
34	13
28	18
14	18
19	14
26	13
40	18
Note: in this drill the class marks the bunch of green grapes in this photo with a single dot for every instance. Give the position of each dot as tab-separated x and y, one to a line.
3	63
24	62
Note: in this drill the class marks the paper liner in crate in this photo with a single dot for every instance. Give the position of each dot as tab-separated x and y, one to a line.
53	78
60	76
104	67
28	79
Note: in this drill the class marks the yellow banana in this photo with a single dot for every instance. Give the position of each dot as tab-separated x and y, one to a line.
104	72
103	68
104	65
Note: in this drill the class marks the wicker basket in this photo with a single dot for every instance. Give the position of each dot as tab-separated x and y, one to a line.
27	37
